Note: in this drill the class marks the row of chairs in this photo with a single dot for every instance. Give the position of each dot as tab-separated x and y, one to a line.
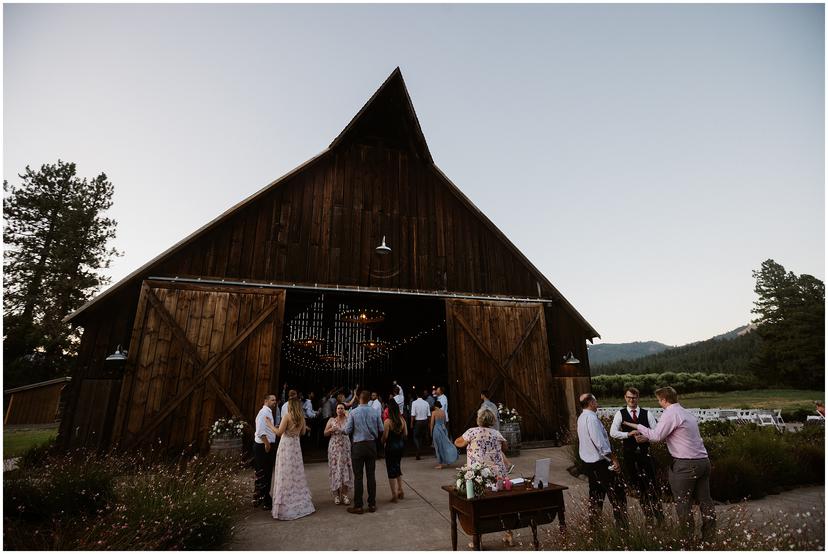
762	418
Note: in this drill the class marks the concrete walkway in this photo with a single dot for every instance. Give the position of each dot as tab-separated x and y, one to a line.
421	520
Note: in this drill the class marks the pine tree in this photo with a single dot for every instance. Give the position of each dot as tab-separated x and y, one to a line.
791	319
56	242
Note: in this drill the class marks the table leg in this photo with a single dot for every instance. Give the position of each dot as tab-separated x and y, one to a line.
534	527
562	521
478	545
454	529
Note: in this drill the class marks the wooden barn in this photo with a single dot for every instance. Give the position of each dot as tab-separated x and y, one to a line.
364	265
35	404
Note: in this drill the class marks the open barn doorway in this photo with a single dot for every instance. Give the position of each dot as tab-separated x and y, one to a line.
344	340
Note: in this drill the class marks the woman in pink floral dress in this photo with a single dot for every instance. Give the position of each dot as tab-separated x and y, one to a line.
291	496
340	469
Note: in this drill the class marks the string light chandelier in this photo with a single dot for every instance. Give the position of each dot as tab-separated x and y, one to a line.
363	316
309	343
373	345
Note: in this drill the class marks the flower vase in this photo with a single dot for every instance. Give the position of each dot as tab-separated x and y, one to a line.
469	489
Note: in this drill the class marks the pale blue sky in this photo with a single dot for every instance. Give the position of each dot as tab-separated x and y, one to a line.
646	158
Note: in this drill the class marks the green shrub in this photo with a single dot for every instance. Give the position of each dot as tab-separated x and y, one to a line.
37	455
733	479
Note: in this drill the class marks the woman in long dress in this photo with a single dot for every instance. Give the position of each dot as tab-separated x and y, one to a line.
340	468
290	492
393	437
446	452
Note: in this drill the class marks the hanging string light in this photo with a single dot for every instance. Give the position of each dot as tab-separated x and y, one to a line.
363	316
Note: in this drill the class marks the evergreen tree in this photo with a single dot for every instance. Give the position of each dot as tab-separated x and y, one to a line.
56	241
790	313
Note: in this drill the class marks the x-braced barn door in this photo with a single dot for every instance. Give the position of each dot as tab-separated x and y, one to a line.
502	347
197	353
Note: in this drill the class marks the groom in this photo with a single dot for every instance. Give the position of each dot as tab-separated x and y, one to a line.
366	425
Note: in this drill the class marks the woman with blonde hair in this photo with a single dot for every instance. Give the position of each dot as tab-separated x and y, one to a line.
290	492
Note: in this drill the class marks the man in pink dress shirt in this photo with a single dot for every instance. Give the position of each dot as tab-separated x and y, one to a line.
690	471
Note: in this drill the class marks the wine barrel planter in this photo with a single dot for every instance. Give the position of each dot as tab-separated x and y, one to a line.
511	432
226	446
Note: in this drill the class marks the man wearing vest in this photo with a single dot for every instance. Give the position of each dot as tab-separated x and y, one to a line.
639	467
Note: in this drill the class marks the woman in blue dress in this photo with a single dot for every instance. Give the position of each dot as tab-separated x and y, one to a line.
443	447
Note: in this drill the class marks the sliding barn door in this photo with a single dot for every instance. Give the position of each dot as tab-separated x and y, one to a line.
197	353
500	346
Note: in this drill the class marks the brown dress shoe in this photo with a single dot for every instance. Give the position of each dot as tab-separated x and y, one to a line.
355	510
372	508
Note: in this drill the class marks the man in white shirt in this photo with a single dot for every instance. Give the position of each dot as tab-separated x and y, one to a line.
602	466
399	398
375	402
264	453
639	467
441	396
420	413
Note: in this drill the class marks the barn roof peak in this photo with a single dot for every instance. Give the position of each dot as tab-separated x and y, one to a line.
388	117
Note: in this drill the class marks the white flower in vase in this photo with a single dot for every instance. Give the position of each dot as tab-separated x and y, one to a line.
469	475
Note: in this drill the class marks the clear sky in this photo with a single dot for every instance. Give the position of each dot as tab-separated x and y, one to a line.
646	158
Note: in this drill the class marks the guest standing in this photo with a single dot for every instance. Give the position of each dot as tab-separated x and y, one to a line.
441	396
420	412
366	425
489	405
690	473
639	467
290	492
602	466
264	453
393	437
340	467
445	451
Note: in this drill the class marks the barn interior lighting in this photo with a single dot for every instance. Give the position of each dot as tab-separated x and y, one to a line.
570	359
372	345
329	358
309	342
363	316
117	356
383	248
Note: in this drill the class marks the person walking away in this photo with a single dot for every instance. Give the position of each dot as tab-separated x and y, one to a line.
366	425
393	437
446	452
290	492
432	398
639	466
340	467
420	412
376	404
489	405
689	474
264	453
602	466
441	396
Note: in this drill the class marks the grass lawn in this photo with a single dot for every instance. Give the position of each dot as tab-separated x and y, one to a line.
769	399
17	441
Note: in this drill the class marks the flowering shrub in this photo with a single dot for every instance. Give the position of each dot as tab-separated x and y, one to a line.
227	428
508	416
135	501
480	475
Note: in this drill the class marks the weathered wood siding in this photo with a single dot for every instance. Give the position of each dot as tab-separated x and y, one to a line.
34	406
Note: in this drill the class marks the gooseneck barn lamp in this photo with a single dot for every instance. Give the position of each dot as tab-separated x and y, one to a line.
117	356
383	248
570	359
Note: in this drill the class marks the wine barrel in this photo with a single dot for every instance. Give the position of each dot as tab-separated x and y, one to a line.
226	446
511	432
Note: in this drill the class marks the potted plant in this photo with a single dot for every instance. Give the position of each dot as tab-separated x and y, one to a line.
226	436
510	428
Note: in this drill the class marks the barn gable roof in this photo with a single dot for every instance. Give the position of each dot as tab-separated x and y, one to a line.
388	117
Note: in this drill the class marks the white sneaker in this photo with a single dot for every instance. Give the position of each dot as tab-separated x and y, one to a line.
346	500
337	500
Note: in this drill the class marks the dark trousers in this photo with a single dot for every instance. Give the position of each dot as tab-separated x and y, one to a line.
263	462
639	471
420	435
603	482
364	455
690	481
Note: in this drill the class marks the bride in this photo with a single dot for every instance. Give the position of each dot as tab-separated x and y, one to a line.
291	496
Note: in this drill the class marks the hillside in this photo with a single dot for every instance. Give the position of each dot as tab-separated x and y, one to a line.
720	354
605	353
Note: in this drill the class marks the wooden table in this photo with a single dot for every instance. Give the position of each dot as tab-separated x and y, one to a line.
523	506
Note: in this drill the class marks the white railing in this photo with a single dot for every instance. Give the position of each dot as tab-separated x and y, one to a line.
759	417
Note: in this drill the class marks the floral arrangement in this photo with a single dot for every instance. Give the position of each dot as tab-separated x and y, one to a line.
480	475
508	416
227	427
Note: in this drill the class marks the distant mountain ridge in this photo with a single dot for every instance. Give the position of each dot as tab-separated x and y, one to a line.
729	352
607	353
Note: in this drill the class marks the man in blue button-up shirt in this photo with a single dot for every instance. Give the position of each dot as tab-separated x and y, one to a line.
366	425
